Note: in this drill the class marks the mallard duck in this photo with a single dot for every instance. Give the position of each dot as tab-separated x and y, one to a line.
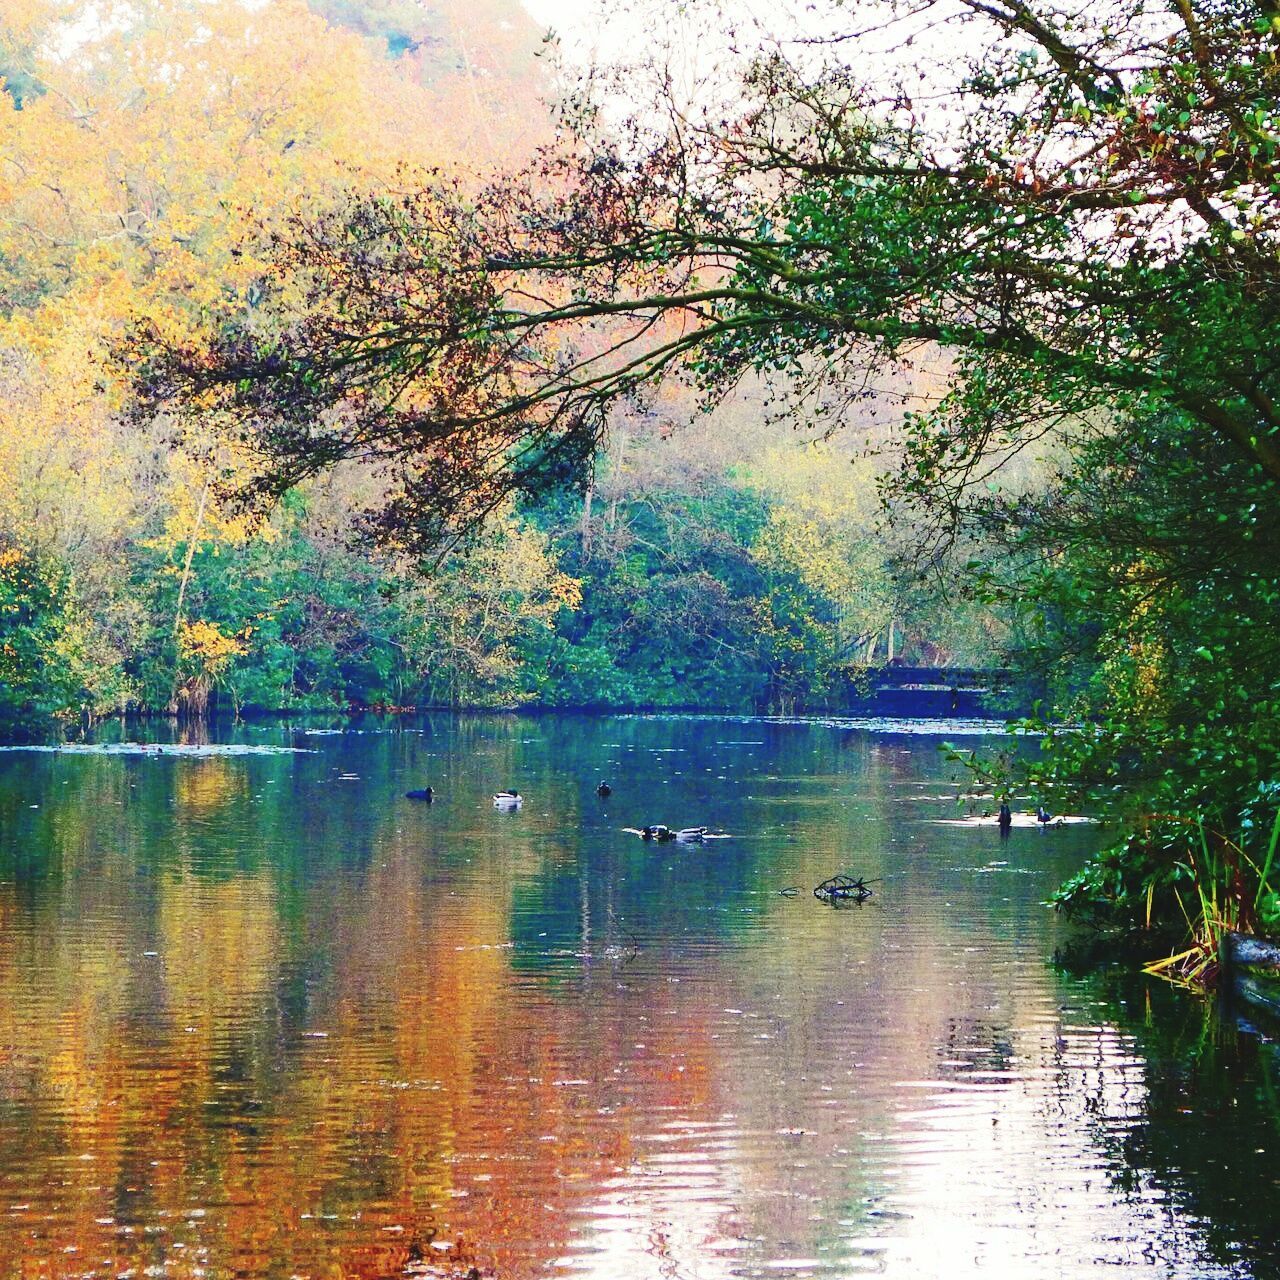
1043	816
426	794
691	835
604	790
507	800
657	832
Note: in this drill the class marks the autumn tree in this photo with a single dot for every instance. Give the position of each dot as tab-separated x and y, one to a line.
143	162
127	181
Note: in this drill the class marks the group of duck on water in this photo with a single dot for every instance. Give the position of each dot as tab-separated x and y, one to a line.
658	832
501	799
662	834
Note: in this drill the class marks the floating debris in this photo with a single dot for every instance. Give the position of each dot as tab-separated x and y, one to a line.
1016	820
924	727
843	889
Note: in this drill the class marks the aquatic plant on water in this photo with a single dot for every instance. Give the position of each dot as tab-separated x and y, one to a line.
1214	883
1232	894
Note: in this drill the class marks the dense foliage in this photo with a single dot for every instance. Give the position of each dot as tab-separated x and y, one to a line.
153	169
670	598
1154	575
1084	211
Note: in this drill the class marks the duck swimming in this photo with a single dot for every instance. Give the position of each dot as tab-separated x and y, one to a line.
425	794
507	800
604	790
685	835
654	832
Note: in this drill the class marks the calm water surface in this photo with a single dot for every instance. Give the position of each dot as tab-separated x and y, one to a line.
262	1017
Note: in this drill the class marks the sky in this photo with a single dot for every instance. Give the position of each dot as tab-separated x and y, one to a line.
622	29
561	13
582	27
692	41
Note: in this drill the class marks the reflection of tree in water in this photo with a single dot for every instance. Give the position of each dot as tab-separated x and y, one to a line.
1208	1129
584	908
975	1044
247	987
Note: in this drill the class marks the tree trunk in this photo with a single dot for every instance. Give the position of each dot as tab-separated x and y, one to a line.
177	698
191	551
586	518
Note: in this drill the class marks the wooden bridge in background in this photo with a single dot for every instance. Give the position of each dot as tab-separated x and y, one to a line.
898	690
974	679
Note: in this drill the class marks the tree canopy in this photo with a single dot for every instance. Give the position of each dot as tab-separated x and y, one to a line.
1085	215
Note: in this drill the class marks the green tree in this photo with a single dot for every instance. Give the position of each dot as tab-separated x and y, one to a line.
53	664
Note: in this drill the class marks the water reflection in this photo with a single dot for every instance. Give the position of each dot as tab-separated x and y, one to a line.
261	1017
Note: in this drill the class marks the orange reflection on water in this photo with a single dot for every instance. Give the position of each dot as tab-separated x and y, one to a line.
179	1121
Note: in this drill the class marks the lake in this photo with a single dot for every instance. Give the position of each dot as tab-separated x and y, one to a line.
261	1016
